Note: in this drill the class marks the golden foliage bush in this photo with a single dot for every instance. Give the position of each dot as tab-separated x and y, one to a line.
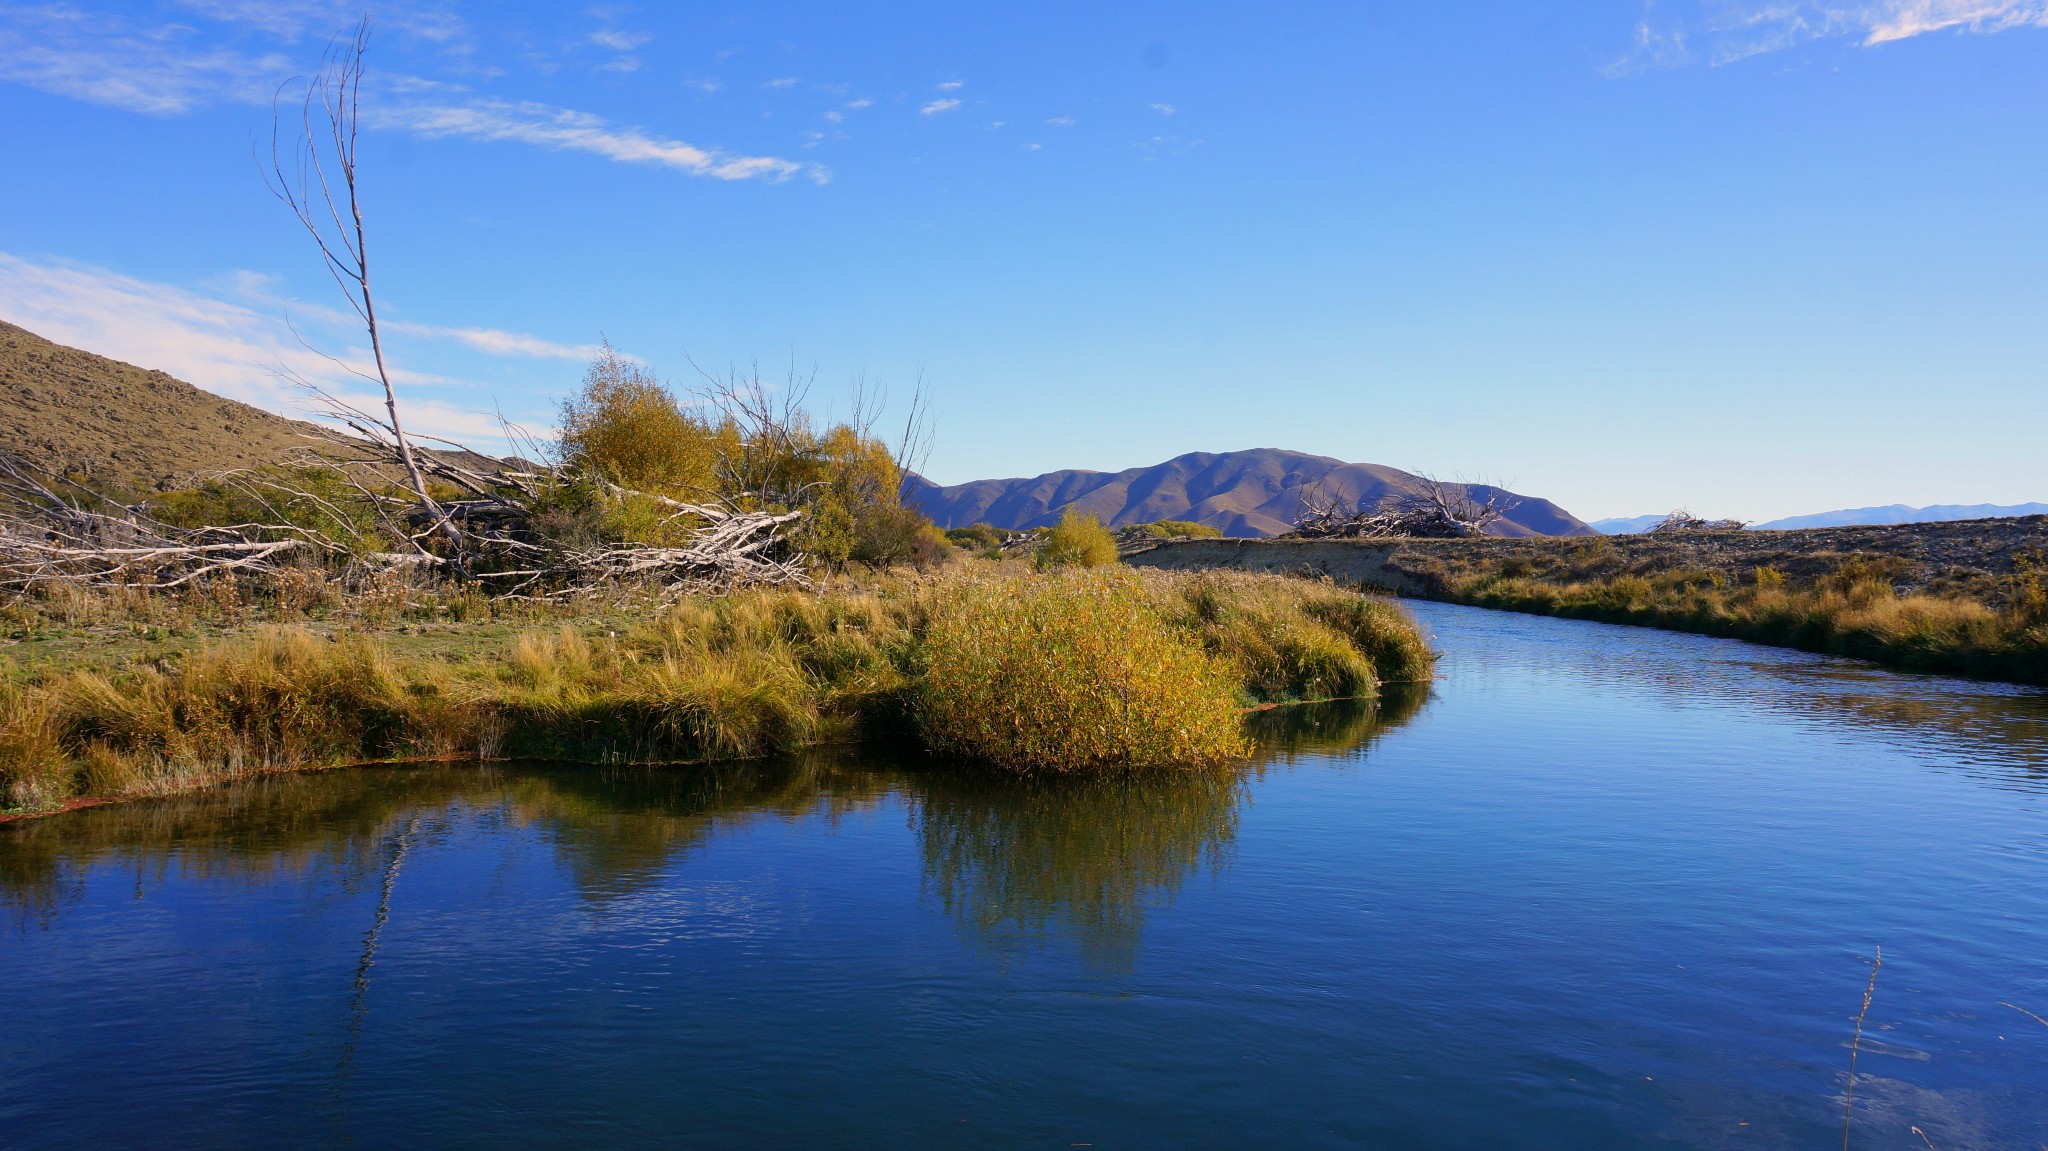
626	426
1078	540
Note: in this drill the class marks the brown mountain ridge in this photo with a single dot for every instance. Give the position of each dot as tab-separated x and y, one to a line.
1251	493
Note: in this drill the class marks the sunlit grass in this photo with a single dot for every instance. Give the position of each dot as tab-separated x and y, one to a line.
1028	672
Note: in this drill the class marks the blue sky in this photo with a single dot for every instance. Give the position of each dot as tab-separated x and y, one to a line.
1755	259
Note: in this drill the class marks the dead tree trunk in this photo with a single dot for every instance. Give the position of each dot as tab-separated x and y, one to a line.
307	184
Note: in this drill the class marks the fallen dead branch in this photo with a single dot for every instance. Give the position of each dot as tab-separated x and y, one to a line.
52	530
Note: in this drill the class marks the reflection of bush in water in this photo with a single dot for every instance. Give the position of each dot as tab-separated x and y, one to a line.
611	828
619	829
1089	855
1025	855
1285	733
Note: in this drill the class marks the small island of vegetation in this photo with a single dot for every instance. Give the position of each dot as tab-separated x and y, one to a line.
597	605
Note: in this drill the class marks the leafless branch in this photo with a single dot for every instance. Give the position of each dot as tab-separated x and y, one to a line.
317	179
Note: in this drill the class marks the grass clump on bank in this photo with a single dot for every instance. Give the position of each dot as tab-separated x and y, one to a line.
1027	672
1072	673
1855	611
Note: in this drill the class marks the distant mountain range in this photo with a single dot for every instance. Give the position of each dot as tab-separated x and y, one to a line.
133	430
1901	514
1247	494
1853	517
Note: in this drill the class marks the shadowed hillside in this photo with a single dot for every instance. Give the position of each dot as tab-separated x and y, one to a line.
1247	494
124	427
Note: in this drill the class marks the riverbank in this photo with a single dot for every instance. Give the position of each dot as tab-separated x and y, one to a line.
985	662
1967	598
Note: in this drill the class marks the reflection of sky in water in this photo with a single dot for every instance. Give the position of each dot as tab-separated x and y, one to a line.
1607	887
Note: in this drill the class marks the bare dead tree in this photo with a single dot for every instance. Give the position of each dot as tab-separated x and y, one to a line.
315	175
913	444
1684	521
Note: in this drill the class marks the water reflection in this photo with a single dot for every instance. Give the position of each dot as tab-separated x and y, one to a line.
1008	858
1334	730
1086	856
1995	732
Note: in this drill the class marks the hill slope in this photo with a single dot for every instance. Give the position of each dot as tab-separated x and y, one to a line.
125	427
1248	493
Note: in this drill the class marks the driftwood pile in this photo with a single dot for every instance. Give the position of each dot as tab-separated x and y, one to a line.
1436	510
1684	521
53	530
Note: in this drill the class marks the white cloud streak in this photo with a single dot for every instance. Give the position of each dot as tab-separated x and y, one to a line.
568	130
492	341
619	41
938	106
100	61
1725	33
159	72
1902	19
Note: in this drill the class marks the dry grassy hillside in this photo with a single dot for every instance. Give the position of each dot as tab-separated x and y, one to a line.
123	427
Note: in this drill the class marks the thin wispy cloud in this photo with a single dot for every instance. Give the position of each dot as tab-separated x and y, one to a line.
102	61
493	342
782	82
568	130
1061	121
1898	21
295	19
938	106
857	105
158	71
951	86
1724	33
1164	109
619	41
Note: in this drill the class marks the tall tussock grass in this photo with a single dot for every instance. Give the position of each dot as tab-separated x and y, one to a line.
1072	672
1030	673
281	698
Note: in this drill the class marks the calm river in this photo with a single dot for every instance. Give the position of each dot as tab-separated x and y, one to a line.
1604	888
